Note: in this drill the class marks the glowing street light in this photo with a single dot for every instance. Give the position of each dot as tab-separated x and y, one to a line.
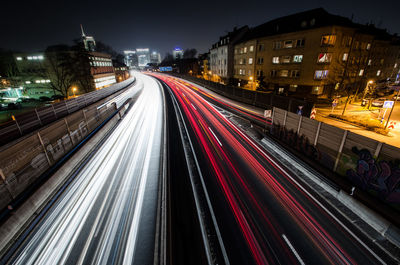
74	90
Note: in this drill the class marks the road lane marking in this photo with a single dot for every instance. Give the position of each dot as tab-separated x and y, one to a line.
304	190
215	136
193	106
293	250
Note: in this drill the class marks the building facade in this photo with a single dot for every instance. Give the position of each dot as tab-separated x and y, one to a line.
131	59
221	56
143	55
177	53
155	58
101	70
314	53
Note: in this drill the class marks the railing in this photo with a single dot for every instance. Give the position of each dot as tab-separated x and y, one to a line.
369	164
25	162
30	121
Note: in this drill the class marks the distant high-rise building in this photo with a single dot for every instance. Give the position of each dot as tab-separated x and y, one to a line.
88	41
177	53
131	59
155	57
143	55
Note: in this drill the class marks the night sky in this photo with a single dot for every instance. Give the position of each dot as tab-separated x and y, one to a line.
162	25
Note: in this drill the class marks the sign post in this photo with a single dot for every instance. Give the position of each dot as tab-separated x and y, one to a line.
334	104
397	88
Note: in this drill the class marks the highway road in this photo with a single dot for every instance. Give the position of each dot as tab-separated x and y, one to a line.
108	213
264	215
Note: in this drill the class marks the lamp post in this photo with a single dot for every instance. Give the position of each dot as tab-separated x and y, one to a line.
73	90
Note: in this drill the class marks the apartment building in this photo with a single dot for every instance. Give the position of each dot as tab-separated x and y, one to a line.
221	55
315	54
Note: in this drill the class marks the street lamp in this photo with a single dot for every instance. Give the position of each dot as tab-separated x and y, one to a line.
74	90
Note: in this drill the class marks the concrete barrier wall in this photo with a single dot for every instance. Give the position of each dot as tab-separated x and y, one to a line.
370	165
24	162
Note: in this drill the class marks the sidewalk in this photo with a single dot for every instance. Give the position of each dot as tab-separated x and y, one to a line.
356	110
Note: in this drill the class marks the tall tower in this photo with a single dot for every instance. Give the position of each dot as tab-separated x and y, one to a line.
88	41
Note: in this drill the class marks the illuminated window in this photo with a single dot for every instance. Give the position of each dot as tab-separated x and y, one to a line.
288	44
37	81
245	50
251	48
281	90
34	57
275	59
40	57
368	46
395	65
19	58
378	73
361	72
286	59
241	50
298	58
317	90
328	40
236	50
284	73
250	60
292	88
345	56
48	81
29	58
324	57
321	74
27	82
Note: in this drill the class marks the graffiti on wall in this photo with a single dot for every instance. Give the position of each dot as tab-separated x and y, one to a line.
380	176
300	142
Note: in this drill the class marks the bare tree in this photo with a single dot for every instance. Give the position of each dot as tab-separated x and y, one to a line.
60	65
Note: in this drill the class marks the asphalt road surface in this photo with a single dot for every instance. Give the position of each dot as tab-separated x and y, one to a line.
108	214
265	216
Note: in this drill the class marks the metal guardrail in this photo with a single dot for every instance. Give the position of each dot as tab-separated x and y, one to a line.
28	122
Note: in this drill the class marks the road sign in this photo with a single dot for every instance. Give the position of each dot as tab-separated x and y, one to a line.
267	113
313	113
388	104
391	125
165	68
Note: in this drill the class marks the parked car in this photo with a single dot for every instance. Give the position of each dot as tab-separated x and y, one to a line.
365	101
378	102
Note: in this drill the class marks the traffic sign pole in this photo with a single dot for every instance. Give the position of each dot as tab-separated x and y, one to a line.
394	103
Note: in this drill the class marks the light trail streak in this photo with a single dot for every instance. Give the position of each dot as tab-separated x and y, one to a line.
237	185
98	219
